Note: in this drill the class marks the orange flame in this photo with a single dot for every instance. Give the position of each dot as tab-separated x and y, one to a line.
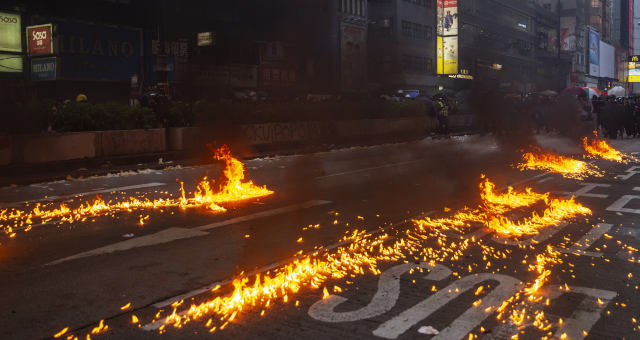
364	252
235	189
599	148
566	166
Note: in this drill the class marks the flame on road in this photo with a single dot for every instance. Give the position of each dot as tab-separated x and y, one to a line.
365	253
551	162
599	148
233	188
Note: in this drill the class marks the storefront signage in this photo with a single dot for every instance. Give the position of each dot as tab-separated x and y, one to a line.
10	63
39	41
634	69
10	32
43	68
206	39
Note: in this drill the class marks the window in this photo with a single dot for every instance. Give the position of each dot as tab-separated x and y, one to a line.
406	28
422	3
429	64
416	31
416	64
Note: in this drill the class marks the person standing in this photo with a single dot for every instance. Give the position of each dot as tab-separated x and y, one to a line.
442	107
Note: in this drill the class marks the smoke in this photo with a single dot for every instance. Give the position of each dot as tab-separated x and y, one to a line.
514	120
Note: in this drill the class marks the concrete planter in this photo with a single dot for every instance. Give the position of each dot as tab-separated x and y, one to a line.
129	142
54	147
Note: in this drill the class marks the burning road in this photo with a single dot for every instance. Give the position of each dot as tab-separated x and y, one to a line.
516	234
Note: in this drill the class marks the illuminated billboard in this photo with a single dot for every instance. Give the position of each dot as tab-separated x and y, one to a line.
447	39
39	39
447	61
10	32
10	63
447	17
634	69
594	53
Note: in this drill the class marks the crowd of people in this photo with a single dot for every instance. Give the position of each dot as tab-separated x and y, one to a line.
618	117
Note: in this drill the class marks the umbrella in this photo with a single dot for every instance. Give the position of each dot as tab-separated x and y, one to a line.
592	91
617	91
577	90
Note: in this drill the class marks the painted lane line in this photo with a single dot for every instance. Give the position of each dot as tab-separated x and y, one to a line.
634	170
541	237
515	184
173	234
586	190
369	169
267	213
165	236
87	193
152	326
545	180
619	205
580	248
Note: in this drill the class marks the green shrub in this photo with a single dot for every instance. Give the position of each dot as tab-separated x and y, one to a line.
100	117
265	111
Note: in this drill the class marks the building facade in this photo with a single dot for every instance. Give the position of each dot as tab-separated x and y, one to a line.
595	39
402	45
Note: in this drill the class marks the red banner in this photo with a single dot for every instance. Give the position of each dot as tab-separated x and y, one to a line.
447	3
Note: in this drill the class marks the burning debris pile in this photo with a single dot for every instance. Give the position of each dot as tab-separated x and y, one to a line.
207	195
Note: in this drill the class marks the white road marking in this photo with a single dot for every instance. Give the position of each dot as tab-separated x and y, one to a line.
542	236
634	170
305	205
466	322
585	191
383	301
515	184
173	234
165	236
586	314
369	169
619	205
580	247
87	193
545	180
156	325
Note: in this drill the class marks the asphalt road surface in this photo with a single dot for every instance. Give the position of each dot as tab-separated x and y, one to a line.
74	275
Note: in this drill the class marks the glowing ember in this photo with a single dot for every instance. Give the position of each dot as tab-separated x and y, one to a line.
566	166
494	205
234	188
557	210
364	253
599	148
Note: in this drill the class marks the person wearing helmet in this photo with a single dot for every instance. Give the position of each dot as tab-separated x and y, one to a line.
442	111
81	98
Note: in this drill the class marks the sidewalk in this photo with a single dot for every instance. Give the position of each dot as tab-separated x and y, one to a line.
23	174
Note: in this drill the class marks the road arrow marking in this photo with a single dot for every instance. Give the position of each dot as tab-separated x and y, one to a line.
173	234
